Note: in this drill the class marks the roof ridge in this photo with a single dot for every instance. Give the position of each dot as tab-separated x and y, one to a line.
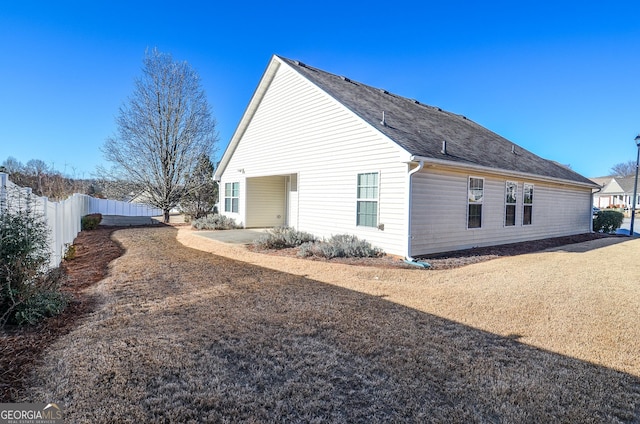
420	128
356	82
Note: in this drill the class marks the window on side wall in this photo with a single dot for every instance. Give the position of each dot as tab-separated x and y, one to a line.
231	197
511	189
367	200
475	199
527	212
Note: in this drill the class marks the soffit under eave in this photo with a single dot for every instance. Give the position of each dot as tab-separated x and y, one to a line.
496	172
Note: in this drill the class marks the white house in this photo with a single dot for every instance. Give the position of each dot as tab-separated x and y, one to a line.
617	192
328	155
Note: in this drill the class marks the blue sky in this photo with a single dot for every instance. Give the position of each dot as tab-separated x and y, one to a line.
561	79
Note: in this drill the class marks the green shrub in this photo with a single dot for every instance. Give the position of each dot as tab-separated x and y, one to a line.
29	290
282	238
42	304
215	222
69	252
607	221
340	246
91	221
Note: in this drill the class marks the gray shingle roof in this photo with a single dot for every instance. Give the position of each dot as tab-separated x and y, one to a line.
420	129
626	184
601	181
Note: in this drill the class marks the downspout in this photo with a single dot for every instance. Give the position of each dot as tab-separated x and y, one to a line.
591	221
218	182
409	259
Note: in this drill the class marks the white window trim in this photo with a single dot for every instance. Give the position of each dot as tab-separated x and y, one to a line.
515	204
377	200
524	205
467	189
231	196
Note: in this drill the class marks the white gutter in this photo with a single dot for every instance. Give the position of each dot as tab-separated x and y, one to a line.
591	220
462	165
409	210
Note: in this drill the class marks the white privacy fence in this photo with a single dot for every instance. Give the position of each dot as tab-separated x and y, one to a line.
63	218
116	207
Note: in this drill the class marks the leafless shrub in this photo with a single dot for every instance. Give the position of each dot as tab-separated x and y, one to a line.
214	222
282	238
340	246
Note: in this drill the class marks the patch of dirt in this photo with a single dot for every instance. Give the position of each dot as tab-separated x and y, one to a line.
449	260
460	258
22	347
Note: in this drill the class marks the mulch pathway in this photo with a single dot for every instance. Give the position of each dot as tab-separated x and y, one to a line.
22	347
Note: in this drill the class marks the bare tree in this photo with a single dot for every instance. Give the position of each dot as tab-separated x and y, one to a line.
12	165
37	168
625	169
163	128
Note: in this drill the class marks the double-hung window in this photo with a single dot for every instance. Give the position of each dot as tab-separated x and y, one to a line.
527	200
231	197
475	199
367	200
511	189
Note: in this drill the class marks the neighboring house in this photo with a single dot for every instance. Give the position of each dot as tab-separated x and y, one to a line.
329	155
617	192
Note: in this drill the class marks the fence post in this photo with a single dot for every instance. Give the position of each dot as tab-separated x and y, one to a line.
52	236
27	192
75	216
3	190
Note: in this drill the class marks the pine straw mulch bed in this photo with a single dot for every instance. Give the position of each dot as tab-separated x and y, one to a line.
20	348
186	336
449	260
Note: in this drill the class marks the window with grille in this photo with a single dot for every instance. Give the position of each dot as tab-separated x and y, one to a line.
231	197
367	200
511	189
475	200
527	200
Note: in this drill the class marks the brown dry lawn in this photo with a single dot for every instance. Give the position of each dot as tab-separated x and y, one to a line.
183	335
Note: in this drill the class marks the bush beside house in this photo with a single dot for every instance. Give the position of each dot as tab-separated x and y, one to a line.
607	221
337	246
215	222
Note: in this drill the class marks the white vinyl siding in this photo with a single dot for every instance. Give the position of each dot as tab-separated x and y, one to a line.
299	129
439	213
292	201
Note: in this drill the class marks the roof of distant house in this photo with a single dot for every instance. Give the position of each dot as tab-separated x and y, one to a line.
626	184
601	181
